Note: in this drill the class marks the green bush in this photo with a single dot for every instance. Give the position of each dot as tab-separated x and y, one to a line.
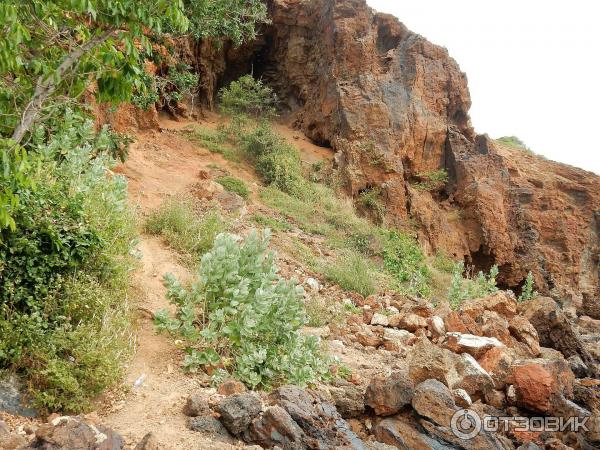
64	277
432	181
528	292
352	272
167	89
462	288
239	314
271	222
276	161
184	228
370	199
444	263
234	185
404	259
248	96
513	141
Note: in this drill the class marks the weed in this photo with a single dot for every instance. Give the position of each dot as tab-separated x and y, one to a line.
432	181
370	199
248	96
528	292
234	185
404	259
271	222
515	142
444	263
462	288
184	228
352	272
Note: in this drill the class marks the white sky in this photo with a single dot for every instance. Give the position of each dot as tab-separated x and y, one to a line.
533	67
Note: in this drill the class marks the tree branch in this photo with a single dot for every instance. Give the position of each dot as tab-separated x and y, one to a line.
46	86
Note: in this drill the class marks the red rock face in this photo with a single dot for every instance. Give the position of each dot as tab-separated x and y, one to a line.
394	106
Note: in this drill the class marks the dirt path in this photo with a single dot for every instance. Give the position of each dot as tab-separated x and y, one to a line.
162	164
159	164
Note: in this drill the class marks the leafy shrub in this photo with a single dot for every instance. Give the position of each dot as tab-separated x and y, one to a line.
239	314
528	292
184	228
276	161
167	89
234	185
432	181
64	277
444	263
248	96
404	259
462	288
352	272
370	199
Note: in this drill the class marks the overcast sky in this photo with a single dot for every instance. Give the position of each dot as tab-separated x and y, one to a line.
533	67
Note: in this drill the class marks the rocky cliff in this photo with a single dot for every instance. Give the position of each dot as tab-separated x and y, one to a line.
395	108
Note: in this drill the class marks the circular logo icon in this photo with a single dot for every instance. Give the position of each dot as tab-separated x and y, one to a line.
465	424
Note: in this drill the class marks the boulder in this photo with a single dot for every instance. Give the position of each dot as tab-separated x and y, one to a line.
502	303
497	362
475	346
231	387
556	331
321	423
148	442
404	433
434	401
387	395
348	399
210	427
407	321
238	411
523	331
457	323
380	319
67	433
275	427
542	386
8	440
196	405
427	361
472	377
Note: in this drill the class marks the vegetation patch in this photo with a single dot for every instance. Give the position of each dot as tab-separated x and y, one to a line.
468	287
240	317
432	181
64	271
514	142
352	272
234	185
404	259
185	228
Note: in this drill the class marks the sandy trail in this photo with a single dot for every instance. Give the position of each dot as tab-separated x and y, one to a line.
161	164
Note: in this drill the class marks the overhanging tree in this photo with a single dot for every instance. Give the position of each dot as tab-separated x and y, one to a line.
52	50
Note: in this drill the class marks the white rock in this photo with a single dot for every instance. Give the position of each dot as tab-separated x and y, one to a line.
437	325
336	346
397	336
462	398
471	344
380	319
392	310
313	284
